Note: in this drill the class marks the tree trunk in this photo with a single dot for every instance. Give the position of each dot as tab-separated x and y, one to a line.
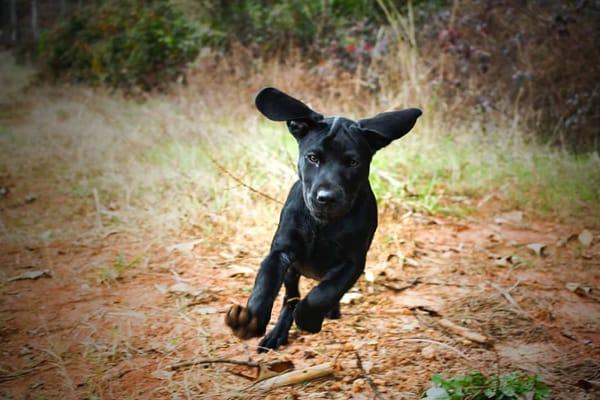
34	19
13	21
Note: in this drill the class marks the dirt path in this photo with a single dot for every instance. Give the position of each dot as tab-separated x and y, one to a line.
116	309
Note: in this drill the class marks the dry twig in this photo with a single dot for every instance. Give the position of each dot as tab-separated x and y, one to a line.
409	285
296	376
185	364
431	341
464	332
509	298
98	209
18	374
366	375
224	170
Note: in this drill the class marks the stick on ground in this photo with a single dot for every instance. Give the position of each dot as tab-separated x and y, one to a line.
509	298
293	377
431	341
185	364
464	332
366	375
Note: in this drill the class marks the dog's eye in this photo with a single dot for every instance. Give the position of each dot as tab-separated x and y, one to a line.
312	158
353	162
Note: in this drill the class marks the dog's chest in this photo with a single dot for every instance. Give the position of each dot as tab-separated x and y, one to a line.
324	254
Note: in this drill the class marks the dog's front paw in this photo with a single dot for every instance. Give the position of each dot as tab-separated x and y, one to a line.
277	337
244	323
308	318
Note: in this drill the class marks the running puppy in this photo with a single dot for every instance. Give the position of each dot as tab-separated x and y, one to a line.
327	222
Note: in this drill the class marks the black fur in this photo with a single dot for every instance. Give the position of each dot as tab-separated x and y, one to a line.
327	223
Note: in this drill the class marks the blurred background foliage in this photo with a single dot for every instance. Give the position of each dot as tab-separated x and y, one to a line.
121	43
534	63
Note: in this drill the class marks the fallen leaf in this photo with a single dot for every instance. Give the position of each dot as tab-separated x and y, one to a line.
206	310
31	275
504	261
161	374
418	301
566	240
275	368
30	198
240	270
367	366
185	289
350	297
161	288
585	238
513	217
588	384
411	262
358	385
185	246
512	260
395	259
578	288
537	248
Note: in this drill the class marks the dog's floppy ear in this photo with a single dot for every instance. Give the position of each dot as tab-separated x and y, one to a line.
383	128
278	106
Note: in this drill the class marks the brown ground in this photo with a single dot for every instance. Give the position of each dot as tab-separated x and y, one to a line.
101	328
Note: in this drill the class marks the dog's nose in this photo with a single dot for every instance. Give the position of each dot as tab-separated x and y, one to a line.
325	196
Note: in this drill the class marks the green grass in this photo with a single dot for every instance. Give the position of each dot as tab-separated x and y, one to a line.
108	275
440	175
166	164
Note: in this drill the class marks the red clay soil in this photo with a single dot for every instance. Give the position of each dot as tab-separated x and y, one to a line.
116	310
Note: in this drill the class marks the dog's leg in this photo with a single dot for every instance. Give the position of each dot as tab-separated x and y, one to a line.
335	312
279	334
324	297
251	321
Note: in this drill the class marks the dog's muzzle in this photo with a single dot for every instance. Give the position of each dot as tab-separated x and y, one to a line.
326	204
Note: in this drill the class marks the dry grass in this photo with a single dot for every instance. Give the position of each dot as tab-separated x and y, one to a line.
152	161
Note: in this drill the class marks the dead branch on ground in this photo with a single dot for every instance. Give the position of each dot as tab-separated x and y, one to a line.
367	377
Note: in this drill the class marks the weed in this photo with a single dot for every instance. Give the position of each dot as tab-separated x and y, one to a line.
110	274
476	386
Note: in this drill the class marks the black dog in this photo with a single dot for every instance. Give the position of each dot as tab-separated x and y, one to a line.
328	220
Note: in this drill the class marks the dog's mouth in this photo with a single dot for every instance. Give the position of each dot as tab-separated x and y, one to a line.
327	213
324	213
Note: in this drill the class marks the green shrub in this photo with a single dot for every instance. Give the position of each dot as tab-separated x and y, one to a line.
121	44
271	25
476	386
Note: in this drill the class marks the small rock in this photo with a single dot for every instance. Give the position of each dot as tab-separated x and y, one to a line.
31	275
308	354
367	366
358	385
205	310
585	238
537	248
350	297
428	352
240	270
30	198
513	217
